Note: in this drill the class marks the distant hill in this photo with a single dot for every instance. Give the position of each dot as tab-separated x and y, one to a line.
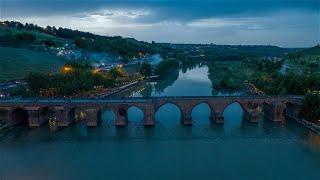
15	63
130	47
304	61
312	51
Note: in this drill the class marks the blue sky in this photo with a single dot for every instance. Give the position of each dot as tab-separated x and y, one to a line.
286	23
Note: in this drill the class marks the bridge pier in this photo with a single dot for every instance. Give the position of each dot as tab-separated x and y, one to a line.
252	115
293	111
4	114
121	116
149	116
121	121
34	117
274	112
149	120
217	117
186	110
62	119
92	117
187	120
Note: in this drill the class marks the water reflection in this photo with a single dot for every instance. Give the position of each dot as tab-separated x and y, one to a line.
233	115
135	115
107	116
168	115
314	140
192	80
201	115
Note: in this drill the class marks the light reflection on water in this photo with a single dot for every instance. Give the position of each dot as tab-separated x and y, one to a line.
236	150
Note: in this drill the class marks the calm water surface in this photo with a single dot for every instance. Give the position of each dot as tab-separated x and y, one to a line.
235	150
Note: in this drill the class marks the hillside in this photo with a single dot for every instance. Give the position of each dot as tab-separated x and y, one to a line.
129	48
17	62
304	61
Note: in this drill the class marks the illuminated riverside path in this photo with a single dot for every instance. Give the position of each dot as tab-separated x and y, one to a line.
66	111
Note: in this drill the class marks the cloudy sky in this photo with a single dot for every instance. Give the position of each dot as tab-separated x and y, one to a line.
286	23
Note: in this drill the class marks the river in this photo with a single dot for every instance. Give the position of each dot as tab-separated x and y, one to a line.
169	150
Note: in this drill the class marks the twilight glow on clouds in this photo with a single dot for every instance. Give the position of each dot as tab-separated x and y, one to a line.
287	23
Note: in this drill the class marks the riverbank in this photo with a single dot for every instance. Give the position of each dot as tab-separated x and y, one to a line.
4	128
123	88
309	125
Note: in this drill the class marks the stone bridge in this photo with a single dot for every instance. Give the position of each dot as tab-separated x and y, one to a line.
65	111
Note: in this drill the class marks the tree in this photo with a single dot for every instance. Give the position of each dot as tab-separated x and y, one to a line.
25	38
224	83
7	39
146	70
21	90
37	81
311	107
117	72
49	43
166	66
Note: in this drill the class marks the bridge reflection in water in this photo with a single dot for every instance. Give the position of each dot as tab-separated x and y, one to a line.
65	111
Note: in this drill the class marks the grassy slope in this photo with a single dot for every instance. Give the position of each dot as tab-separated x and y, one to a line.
301	64
16	62
39	35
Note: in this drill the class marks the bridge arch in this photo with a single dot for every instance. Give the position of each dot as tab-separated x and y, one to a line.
161	104
168	111
243	105
135	114
72	115
20	116
202	111
290	109
107	115
46	113
123	112
233	114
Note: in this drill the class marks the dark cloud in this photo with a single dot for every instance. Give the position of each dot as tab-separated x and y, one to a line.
279	22
163	9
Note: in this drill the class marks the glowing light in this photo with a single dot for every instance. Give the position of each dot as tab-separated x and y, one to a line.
95	71
66	69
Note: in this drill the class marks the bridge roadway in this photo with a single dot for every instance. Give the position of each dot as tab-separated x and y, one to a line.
64	111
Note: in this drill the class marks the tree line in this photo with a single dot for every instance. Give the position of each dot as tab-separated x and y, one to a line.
74	77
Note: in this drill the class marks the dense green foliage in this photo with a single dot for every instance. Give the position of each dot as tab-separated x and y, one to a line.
78	78
228	75
287	84
146	69
166	66
128	48
299	78
117	72
49	43
311	107
265	74
305	61
17	40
